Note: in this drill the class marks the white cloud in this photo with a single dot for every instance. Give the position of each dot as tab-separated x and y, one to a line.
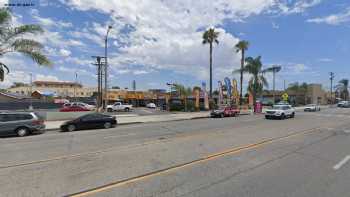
72	71
334	19
40	77
3	2
168	38
325	60
65	52
140	72
293	7
49	22
15	76
275	26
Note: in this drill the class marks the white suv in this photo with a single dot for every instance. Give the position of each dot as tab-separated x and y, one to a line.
280	112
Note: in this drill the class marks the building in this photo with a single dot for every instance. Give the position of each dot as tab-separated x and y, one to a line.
313	94
58	88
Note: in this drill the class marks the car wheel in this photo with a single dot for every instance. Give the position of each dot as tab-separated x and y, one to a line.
107	125
292	116
222	115
266	117
110	110
283	117
126	109
71	127
22	131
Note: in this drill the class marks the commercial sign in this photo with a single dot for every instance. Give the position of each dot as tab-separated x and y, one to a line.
228	87
285	97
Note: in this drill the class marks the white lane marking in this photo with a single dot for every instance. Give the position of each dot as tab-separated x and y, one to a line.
341	163
118	136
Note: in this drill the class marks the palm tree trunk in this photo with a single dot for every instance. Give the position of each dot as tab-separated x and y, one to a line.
241	82
211	70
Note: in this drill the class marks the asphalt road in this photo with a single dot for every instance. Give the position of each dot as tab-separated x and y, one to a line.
244	156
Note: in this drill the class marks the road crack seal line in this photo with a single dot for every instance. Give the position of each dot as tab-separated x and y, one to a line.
193	162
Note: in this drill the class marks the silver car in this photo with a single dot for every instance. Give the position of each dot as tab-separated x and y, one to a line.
20	123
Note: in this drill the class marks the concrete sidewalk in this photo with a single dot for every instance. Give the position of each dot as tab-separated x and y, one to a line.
122	119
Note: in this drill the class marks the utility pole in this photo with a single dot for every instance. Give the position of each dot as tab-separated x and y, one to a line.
284	85
99	65
105	103
75	86
133	85
331	78
31	91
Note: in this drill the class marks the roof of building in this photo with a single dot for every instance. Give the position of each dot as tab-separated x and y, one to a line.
14	96
56	83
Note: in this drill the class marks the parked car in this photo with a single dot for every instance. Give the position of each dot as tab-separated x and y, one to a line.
73	108
20	123
81	104
280	112
343	104
118	106
90	121
312	107
225	111
151	105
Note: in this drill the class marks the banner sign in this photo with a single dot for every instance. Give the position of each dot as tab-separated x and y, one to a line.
221	94
228	87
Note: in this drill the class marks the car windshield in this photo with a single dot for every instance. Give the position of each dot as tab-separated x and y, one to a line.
278	107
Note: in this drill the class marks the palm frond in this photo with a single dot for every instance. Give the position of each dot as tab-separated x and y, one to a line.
264	81
3	67
5	16
274	68
37	57
26	44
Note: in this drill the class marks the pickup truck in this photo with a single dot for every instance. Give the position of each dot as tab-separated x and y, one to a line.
118	106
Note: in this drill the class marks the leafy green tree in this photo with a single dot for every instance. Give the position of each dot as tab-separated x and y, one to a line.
183	92
257	81
210	37
343	88
241	46
12	39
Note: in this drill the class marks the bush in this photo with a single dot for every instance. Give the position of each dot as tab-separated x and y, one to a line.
191	106
176	107
212	104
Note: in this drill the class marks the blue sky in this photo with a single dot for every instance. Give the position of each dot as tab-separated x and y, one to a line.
155	42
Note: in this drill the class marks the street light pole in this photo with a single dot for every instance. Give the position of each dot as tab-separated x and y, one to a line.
106	69
331	78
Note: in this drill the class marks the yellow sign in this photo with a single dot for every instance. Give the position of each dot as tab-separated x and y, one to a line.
285	97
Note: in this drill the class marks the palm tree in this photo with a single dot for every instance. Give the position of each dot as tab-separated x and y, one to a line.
274	69
209	37
11	40
257	81
343	88
241	46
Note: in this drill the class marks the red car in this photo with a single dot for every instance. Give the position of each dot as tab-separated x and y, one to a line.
226	111
73	108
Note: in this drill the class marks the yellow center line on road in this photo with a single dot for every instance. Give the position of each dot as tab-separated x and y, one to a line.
191	163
